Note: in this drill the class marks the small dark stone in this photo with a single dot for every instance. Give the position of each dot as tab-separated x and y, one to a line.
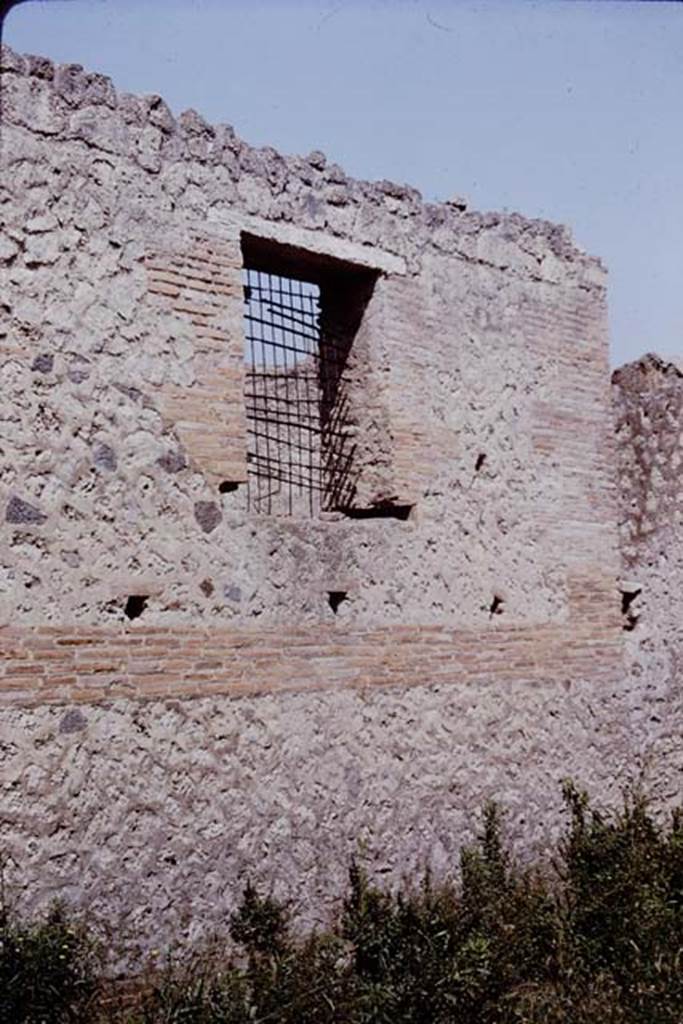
392	188
232	592
207	587
133	393
207	514
20	511
172	462
160	114
70	82
43	363
104	457
335	175
193	123
317	159
73	721
77	374
41	67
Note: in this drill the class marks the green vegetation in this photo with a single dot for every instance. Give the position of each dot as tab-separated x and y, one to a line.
598	939
48	970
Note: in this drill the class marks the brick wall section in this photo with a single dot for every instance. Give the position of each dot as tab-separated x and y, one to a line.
51	665
575	423
203	284
412	439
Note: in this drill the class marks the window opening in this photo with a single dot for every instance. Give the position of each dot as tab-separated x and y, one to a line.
308	379
282	317
298	456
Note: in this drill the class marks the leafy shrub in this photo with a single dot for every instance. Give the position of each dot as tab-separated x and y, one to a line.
196	991
623	895
48	970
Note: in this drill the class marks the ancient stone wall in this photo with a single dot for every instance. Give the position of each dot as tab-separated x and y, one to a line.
648	401
123	372
241	722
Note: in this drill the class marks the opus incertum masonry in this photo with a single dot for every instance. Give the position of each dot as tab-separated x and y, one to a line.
320	519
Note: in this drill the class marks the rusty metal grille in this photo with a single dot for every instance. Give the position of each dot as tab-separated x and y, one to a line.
292	376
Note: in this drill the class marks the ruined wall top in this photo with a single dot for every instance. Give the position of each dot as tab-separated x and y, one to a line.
648	373
71	103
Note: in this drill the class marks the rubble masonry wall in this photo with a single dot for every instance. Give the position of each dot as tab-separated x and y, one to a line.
240	724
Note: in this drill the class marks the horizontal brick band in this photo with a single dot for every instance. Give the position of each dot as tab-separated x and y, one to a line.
65	665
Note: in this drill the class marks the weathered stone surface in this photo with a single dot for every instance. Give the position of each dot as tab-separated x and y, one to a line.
283	789
648	401
8	249
41	250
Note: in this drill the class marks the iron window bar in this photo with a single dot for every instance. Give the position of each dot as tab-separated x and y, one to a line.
299	459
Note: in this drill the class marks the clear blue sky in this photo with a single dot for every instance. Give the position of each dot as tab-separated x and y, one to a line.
567	110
